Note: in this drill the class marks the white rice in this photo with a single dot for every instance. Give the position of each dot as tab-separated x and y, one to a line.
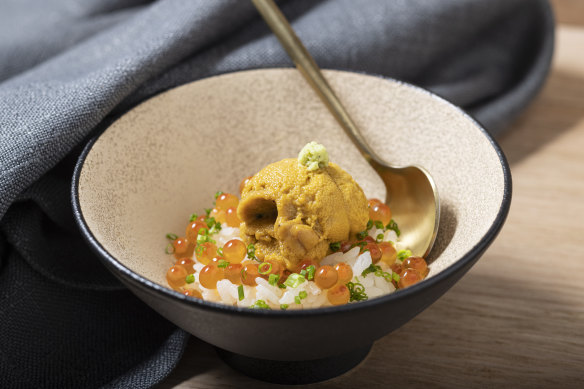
275	297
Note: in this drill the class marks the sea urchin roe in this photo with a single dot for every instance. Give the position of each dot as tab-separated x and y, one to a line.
290	213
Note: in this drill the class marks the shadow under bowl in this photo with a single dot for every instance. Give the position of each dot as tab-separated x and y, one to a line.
164	159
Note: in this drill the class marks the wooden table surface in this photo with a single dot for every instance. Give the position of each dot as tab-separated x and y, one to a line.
517	318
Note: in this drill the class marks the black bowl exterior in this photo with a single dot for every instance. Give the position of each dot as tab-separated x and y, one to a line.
296	335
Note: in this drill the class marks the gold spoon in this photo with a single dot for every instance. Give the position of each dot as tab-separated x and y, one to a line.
411	191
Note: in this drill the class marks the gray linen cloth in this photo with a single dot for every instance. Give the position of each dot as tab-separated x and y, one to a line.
68	66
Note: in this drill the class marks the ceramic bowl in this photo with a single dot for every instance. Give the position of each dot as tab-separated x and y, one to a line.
164	159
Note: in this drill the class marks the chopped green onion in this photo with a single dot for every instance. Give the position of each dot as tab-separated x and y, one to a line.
240	292
260	304
251	251
281	286
297	300
310	270
283	306
171	236
357	292
190	279
403	254
294	280
392	225
169	249
302	294
222	263
220	251
378	225
303	272
395	277
379	238
361	235
208	211
371	269
204	239
217	194
215	229
336	246
265	268
359	244
369	225
273	279
193	217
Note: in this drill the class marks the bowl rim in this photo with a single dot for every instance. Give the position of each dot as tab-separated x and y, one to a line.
162	291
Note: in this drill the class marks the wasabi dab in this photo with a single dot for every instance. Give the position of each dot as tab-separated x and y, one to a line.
314	156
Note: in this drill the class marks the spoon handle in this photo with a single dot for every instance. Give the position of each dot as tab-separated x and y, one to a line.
311	72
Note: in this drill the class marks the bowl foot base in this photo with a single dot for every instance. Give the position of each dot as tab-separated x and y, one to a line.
294	372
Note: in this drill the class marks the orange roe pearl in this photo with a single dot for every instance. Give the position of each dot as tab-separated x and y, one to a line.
345	273
338	294
231	217
373	201
243	183
193	293
388	253
193	230
183	248
326	277
416	263
346	246
187	264
225	201
233	273
305	263
218	214
408	278
380	212
205	252
277	269
374	250
234	251
249	273
176	277
210	275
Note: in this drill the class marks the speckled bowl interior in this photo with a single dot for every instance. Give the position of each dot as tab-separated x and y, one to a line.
164	159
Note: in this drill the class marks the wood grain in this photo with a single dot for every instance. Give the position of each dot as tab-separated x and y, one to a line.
569	11
517	318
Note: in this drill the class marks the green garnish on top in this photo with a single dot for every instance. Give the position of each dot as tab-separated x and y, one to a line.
294	280
260	304
403	254
314	156
357	291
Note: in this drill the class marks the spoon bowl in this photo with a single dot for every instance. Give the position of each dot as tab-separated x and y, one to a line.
411	192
